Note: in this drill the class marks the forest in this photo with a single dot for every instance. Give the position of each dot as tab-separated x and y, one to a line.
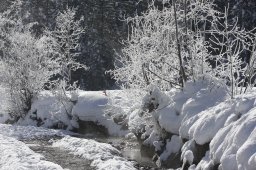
128	84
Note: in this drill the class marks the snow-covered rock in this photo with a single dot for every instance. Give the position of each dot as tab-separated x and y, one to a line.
208	122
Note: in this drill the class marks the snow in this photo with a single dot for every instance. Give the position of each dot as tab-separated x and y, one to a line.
4	105
188	146
47	111
29	132
103	156
172	147
204	113
182	112
206	163
16	155
91	106
210	121
133	120
235	145
202	96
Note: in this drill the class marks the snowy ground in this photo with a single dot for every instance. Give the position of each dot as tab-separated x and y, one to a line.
202	114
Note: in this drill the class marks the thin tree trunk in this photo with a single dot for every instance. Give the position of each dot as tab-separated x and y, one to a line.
228	52
182	71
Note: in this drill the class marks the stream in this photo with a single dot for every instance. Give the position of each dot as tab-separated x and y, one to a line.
130	149
57	155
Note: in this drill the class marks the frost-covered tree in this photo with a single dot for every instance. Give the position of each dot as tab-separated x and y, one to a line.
166	46
169	45
250	73
31	63
27	65
149	55
179	36
232	42
68	32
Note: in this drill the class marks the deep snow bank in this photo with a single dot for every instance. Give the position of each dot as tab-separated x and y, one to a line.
204	115
234	146
47	111
91	106
184	106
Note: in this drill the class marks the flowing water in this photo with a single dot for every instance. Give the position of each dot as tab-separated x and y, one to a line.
58	156
131	149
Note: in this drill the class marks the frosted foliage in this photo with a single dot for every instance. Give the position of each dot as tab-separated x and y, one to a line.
68	32
27	65
151	54
148	52
230	67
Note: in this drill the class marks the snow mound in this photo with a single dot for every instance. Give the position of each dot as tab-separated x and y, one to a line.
91	106
203	113
47	111
103	156
208	122
16	155
183	109
234	146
